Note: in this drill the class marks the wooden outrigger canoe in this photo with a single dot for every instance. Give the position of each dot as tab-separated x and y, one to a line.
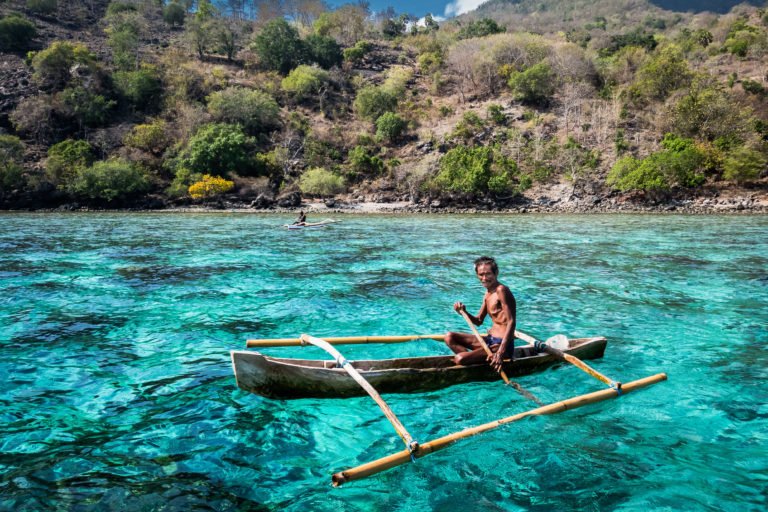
282	378
321	224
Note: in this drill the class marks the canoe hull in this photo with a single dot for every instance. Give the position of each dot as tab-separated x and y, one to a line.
284	378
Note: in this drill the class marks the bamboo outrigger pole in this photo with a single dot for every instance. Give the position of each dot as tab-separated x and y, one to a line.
425	449
343	340
409	441
569	358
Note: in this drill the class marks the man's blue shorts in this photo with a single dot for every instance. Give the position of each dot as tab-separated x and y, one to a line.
493	340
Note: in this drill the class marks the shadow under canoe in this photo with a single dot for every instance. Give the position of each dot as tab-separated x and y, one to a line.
282	378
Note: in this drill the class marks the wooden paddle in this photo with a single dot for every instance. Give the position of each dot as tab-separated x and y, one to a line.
488	352
578	363
344	340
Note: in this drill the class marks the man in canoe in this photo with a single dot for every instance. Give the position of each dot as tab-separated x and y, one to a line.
301	220
499	303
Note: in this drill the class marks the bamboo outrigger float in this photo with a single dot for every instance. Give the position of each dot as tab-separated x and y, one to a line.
415	449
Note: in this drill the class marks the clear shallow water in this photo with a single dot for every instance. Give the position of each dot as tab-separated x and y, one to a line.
118	393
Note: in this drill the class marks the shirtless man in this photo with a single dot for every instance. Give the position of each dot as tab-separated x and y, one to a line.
499	303
301	220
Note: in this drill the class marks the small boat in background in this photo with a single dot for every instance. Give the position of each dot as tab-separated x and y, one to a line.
321	224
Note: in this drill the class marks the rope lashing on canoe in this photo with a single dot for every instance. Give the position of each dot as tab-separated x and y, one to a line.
617	386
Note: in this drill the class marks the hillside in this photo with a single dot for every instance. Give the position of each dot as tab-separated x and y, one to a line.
624	104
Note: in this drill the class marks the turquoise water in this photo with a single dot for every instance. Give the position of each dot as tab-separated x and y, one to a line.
115	331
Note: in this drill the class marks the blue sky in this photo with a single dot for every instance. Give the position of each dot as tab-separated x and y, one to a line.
443	8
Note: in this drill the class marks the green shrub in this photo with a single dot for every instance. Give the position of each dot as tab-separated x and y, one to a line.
744	164
115	8
108	181
65	158
496	114
42	6
638	38
181	182
361	161
16	33
11	157
87	107
319	152
219	149
324	51
706	111
124	42
469	127
753	87
256	111
397	80
174	14
372	102
52	66
535	85
150	138
320	182
389	127
357	52
662	74
429	62
141	89
304	81
476	171
279	47
480	28
680	164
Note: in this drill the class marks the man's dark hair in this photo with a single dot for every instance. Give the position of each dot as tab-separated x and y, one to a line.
487	260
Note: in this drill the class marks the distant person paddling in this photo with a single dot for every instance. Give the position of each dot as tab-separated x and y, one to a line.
301	220
499	303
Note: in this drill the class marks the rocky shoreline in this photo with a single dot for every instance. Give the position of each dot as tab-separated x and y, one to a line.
556	200
744	206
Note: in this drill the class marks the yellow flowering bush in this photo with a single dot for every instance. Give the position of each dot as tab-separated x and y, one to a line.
210	186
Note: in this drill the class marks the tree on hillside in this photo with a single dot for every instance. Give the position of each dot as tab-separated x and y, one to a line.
305	12
174	14
279	47
347	24
16	32
11	158
54	67
324	51
706	111
480	28
535	85
219	149
664	72
199	30
255	111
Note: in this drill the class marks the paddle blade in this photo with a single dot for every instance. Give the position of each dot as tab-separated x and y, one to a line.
558	341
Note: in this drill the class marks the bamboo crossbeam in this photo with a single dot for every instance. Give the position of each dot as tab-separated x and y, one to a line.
343	340
425	449
569	358
410	443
